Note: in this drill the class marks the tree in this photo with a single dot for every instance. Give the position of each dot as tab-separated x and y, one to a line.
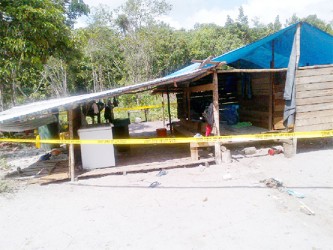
30	32
73	10
136	14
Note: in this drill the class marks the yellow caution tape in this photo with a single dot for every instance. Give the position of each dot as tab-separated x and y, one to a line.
222	139
140	107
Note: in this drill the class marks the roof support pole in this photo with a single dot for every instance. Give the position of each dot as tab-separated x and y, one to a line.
169	111
163	109
71	146
216	112
188	102
271	88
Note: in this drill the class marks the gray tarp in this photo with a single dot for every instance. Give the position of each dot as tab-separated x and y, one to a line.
290	87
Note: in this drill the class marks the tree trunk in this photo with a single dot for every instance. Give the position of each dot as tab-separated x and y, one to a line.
13	90
1	98
64	82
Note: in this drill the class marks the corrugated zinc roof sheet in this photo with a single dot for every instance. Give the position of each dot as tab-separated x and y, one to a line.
34	109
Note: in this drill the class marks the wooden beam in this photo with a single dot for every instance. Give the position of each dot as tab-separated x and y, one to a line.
298	54
163	110
271	88
201	88
188	101
71	146
208	60
221	71
218	153
169	111
316	67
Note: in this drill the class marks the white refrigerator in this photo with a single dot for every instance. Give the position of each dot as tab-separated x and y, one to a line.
97	155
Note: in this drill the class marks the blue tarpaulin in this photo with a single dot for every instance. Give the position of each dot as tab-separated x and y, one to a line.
316	49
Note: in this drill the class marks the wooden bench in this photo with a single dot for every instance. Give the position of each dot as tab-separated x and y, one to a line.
190	129
194	147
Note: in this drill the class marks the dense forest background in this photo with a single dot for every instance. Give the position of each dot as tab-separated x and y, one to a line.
43	56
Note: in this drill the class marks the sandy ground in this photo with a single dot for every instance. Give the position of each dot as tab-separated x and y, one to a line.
215	207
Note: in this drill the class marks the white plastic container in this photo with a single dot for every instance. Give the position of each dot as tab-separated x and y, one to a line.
97	155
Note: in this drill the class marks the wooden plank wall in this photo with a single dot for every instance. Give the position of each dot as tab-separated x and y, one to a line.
279	79
314	99
256	109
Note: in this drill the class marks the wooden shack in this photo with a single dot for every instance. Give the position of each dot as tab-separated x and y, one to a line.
253	81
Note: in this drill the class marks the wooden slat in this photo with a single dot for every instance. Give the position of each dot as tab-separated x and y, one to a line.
307	94
259	71
306	115
279	108
314	79
314	100
314	121
278	95
279	102
258	86
314	107
279	88
326	126
202	88
278	113
314	72
277	119
314	86
279	125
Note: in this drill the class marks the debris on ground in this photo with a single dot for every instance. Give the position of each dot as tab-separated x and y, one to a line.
250	151
227	177
274	151
154	184
45	157
305	209
202	168
272	183
296	194
226	156
161	173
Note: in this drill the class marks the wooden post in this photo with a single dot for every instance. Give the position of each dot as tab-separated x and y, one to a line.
163	110
188	101
271	83
218	153
71	146
298	54
169	111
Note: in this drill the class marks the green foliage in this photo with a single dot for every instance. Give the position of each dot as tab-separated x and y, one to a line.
137	14
42	56
5	187
31	32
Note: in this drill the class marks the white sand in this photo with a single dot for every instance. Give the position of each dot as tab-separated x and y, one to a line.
220	207
193	208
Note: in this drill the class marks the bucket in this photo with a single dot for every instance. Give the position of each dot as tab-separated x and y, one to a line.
161	132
